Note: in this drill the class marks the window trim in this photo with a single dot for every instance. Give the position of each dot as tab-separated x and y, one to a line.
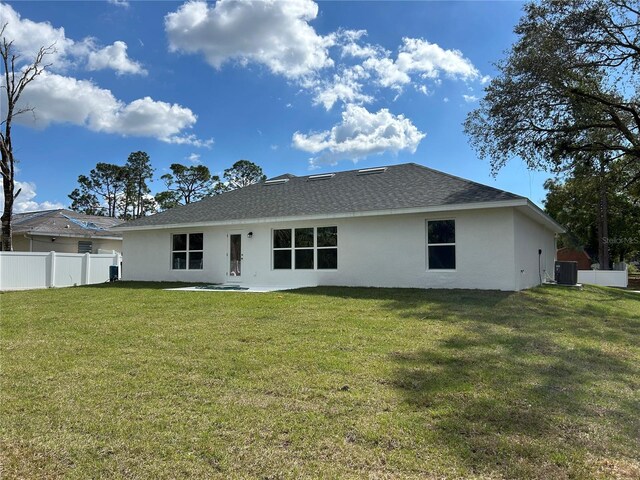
187	251
299	249
282	249
426	237
293	249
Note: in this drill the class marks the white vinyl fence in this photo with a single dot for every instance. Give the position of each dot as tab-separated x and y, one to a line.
27	270
605	278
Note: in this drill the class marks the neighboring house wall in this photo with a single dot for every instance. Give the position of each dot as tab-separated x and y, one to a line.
43	243
579	256
530	237
382	251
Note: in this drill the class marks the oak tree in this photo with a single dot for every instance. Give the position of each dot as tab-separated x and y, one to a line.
568	86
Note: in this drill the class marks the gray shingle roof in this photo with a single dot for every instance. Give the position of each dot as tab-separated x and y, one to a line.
400	186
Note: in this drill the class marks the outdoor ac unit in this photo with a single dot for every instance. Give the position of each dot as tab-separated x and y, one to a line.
566	273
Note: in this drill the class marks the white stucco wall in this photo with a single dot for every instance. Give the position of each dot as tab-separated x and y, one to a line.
530	266
382	251
43	243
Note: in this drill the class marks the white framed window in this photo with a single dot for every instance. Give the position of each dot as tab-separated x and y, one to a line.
327	248
187	251
307	248
441	244
304	248
282	249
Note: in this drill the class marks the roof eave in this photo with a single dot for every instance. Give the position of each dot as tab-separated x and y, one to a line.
543	218
67	235
369	213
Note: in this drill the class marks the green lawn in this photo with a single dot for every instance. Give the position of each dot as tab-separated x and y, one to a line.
131	381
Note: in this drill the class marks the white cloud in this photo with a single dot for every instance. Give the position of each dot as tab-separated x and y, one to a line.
25	202
277	34
429	60
348	41
119	3
194	158
29	36
470	98
345	87
114	57
387	72
189	139
360	134
415	57
269	32
59	99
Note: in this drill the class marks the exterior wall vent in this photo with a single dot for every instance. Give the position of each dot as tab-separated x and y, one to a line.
322	176
277	181
371	171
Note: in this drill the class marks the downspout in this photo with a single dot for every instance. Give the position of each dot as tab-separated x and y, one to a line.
30	242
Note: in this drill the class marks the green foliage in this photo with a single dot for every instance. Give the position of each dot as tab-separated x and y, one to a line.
106	182
137	201
138	382
85	202
573	200
242	174
115	190
568	86
186	185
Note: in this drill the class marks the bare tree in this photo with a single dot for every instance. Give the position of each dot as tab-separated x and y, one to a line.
14	84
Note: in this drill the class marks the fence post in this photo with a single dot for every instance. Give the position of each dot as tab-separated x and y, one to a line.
86	271
52	269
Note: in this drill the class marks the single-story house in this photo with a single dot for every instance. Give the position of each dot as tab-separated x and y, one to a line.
396	226
64	231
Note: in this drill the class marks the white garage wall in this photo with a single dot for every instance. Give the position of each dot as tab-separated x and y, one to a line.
382	251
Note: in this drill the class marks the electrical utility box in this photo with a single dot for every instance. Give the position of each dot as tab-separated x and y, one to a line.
566	273
113	273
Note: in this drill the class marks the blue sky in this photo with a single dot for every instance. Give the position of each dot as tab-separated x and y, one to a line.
294	86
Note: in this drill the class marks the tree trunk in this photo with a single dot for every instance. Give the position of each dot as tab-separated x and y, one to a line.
603	221
7	186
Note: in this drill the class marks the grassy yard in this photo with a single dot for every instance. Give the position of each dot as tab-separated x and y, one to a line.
130	381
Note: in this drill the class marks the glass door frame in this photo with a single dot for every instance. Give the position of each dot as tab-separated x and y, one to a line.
234	273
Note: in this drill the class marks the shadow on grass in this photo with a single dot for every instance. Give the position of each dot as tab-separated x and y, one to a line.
131	285
531	385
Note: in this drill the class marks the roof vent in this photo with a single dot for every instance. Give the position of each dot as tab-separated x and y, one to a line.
322	176
371	171
276	181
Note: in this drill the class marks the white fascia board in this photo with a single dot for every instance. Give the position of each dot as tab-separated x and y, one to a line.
536	213
520	202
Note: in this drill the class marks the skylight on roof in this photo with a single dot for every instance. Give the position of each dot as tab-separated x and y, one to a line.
322	176
370	171
276	181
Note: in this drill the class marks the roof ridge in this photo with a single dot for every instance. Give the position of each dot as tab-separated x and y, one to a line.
355	170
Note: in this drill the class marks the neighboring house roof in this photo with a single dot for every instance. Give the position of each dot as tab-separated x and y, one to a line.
64	223
392	189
